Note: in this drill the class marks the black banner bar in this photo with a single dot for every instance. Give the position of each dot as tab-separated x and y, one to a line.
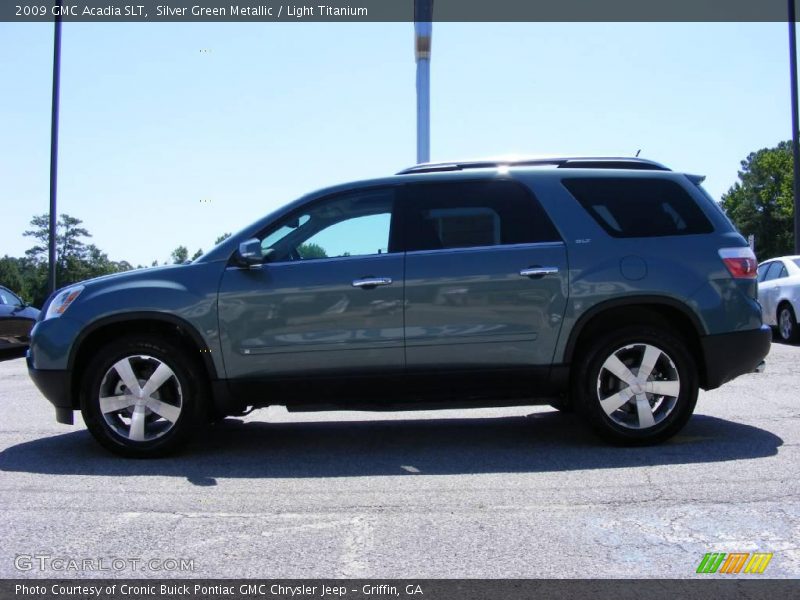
406	589
395	10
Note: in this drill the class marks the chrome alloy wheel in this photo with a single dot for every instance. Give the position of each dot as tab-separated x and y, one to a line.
785	324
140	398
638	386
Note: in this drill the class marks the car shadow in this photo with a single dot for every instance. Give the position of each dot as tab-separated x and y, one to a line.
547	441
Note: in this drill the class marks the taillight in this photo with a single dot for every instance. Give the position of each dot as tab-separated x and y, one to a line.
741	262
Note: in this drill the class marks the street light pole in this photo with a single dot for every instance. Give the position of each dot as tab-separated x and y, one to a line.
51	246
795	130
423	29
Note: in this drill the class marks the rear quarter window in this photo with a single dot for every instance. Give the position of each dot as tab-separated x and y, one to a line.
638	207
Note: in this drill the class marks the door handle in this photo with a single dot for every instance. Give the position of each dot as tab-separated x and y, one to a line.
368	283
536	272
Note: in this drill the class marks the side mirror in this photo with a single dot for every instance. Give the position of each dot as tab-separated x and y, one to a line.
250	252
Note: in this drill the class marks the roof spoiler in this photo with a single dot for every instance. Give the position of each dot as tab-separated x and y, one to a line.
695	179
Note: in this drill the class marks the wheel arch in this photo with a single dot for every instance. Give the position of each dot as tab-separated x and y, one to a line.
781	303
108	328
656	310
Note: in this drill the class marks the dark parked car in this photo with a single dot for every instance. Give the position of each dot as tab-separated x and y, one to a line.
16	321
613	286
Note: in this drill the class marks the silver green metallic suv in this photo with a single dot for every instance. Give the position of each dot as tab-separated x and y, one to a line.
614	287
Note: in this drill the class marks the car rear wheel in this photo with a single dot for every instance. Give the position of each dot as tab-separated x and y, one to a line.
637	385
787	324
142	397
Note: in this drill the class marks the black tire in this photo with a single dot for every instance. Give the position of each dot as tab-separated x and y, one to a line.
183	390
590	382
787	331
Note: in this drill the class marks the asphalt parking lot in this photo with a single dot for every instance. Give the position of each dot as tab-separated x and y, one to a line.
522	492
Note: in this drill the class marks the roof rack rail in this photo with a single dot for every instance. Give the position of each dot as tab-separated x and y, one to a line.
560	163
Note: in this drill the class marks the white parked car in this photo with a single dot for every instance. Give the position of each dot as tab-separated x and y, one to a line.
779	294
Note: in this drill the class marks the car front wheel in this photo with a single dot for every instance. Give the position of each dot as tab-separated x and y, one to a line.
142	396
637	385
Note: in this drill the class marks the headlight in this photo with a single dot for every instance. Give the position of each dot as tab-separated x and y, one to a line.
62	301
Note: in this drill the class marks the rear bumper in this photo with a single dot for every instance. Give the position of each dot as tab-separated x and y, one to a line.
54	385
729	355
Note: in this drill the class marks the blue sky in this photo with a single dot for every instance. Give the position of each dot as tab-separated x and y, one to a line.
175	133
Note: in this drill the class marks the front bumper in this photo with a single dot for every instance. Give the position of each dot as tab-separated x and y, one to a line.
54	385
729	355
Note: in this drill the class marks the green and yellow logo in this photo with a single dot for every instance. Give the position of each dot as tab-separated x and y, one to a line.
734	562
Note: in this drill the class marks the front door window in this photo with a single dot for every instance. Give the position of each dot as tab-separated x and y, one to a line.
355	224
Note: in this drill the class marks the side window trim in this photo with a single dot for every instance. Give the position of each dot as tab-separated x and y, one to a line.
494	247
330	259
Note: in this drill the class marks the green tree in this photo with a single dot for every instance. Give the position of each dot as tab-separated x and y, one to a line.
222	238
41	233
180	255
71	243
11	275
97	263
761	203
32	282
75	260
197	254
69	234
311	251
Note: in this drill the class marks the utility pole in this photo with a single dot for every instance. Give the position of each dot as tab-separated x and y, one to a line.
795	131
423	30
51	246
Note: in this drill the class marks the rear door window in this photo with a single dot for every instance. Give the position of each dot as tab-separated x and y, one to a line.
439	216
639	207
